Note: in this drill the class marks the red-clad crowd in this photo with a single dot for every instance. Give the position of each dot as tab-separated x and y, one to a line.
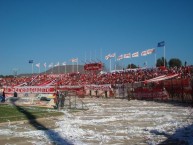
116	77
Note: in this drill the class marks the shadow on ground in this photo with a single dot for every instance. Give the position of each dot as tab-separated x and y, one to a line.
182	136
53	136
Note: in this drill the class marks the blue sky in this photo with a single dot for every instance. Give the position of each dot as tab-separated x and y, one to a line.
56	31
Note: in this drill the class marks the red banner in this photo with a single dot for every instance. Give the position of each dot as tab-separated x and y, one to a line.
30	89
93	66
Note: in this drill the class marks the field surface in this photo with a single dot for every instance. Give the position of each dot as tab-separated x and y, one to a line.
107	122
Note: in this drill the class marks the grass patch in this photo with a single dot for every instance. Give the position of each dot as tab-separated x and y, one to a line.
13	113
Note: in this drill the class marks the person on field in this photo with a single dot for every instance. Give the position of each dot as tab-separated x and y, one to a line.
15	94
3	97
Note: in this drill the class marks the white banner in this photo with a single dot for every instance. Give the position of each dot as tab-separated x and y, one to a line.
98	87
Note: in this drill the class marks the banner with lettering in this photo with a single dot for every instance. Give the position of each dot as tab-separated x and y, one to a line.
29	89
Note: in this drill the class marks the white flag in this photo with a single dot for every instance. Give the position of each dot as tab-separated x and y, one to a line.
113	55
136	54
127	55
38	65
50	65
74	59
120	57
57	64
107	56
144	53
45	64
64	63
110	56
150	51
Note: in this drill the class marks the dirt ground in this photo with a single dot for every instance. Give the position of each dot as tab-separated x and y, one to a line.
106	122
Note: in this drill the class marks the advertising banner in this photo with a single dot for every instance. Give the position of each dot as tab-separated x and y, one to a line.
29	89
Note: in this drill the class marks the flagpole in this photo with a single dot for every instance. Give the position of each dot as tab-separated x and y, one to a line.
72	66
162	44
110	64
130	65
95	55
77	65
85	57
32	66
115	63
155	60
164	56
101	54
90	56
45	67
122	62
39	71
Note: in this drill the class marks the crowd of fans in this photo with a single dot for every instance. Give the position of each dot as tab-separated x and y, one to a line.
116	77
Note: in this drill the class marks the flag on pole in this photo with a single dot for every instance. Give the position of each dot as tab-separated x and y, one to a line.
127	55
144	53
136	54
31	61
64	63
45	64
38	65
161	44
120	57
107	56
112	55
150	51
57	64
50	65
74	60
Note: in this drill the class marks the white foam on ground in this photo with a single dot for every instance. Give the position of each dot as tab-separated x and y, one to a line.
120	122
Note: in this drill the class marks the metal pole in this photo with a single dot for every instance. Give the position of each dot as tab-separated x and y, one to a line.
72	66
110	64
101	53
164	56
85	57
115	63
45	69
32	68
77	65
155	60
